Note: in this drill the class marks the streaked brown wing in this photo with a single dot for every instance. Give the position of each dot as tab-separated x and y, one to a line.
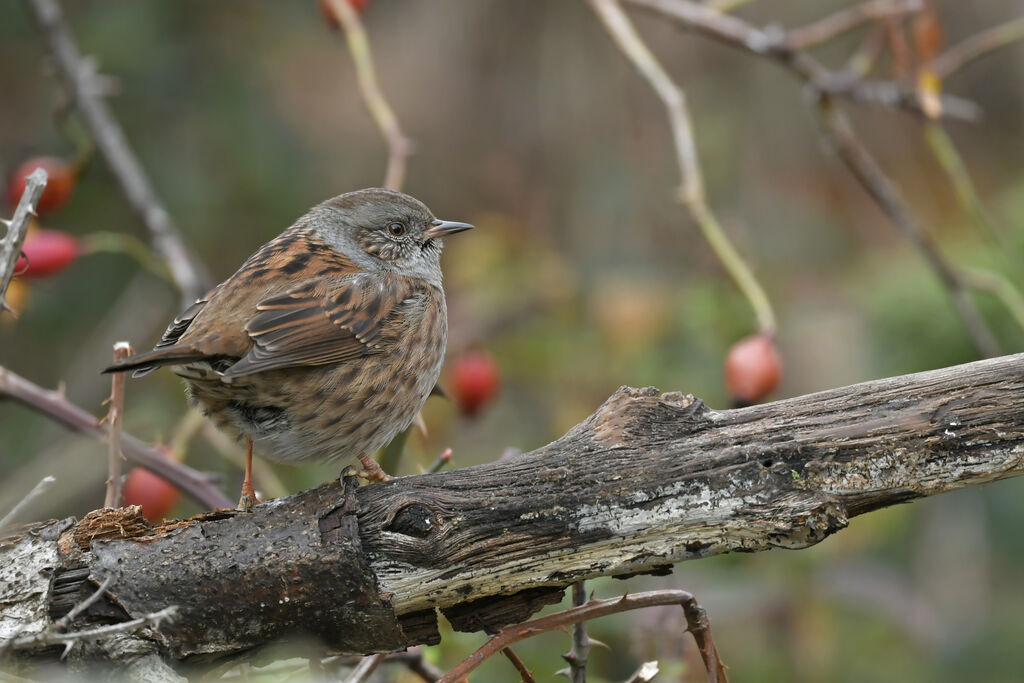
171	335
322	322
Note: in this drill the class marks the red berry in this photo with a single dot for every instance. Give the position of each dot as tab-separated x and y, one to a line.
156	496
46	252
753	369
328	12
475	381
59	185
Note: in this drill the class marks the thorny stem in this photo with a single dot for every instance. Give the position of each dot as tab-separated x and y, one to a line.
696	620
691	190
578	653
55	405
382	113
98	633
114	418
17	229
525	674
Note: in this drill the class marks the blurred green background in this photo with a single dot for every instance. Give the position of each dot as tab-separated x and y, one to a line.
583	275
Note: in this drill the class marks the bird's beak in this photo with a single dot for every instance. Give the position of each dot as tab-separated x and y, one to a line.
441	228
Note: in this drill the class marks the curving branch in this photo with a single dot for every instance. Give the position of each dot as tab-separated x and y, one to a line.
691	191
649	480
112	143
55	405
366	75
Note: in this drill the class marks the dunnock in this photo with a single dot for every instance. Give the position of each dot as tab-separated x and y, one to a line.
327	341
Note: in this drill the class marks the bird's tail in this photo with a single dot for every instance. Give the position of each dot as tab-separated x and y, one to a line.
144	363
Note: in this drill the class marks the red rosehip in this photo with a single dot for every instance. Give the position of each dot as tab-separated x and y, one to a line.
154	493
328	12
46	252
475	381
753	369
59	185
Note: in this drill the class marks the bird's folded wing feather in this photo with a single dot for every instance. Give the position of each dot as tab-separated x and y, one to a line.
323	322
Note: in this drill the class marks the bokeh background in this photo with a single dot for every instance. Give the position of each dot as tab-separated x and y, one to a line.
584	274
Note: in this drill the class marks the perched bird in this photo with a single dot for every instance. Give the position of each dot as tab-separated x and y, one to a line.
327	341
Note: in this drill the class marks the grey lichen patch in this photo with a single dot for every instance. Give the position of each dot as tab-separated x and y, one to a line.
917	470
26	567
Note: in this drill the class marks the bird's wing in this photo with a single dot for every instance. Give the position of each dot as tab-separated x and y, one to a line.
143	364
320	322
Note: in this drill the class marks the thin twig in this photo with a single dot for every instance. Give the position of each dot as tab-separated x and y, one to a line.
978	45
373	97
827	28
580	649
364	668
439	462
80	81
17	229
55	405
68	640
952	163
37	490
115	413
884	191
692	189
998	286
525	674
412	659
696	619
65	621
772	44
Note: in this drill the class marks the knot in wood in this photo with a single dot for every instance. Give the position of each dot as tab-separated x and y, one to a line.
415	520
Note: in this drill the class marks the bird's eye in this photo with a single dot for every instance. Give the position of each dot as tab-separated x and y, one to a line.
396	229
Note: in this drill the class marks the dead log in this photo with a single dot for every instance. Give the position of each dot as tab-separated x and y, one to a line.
648	480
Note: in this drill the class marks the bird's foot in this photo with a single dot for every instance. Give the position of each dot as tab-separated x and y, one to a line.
248	498
371	470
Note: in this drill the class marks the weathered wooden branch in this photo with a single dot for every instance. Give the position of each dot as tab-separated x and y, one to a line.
647	481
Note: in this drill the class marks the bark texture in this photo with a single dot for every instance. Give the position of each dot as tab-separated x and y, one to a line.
649	480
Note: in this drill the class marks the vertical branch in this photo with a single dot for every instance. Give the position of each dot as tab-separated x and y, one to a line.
691	190
17	228
380	110
114	456
112	143
578	653
525	675
871	176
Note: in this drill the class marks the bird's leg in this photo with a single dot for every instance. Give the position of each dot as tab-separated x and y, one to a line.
371	470
248	498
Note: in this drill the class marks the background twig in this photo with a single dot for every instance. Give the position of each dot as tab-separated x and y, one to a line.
692	189
871	176
978	45
112	143
369	88
37	490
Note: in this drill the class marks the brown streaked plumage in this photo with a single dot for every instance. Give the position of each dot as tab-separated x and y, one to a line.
327	341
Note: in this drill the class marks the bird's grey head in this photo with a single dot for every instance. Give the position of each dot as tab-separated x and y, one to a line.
384	230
